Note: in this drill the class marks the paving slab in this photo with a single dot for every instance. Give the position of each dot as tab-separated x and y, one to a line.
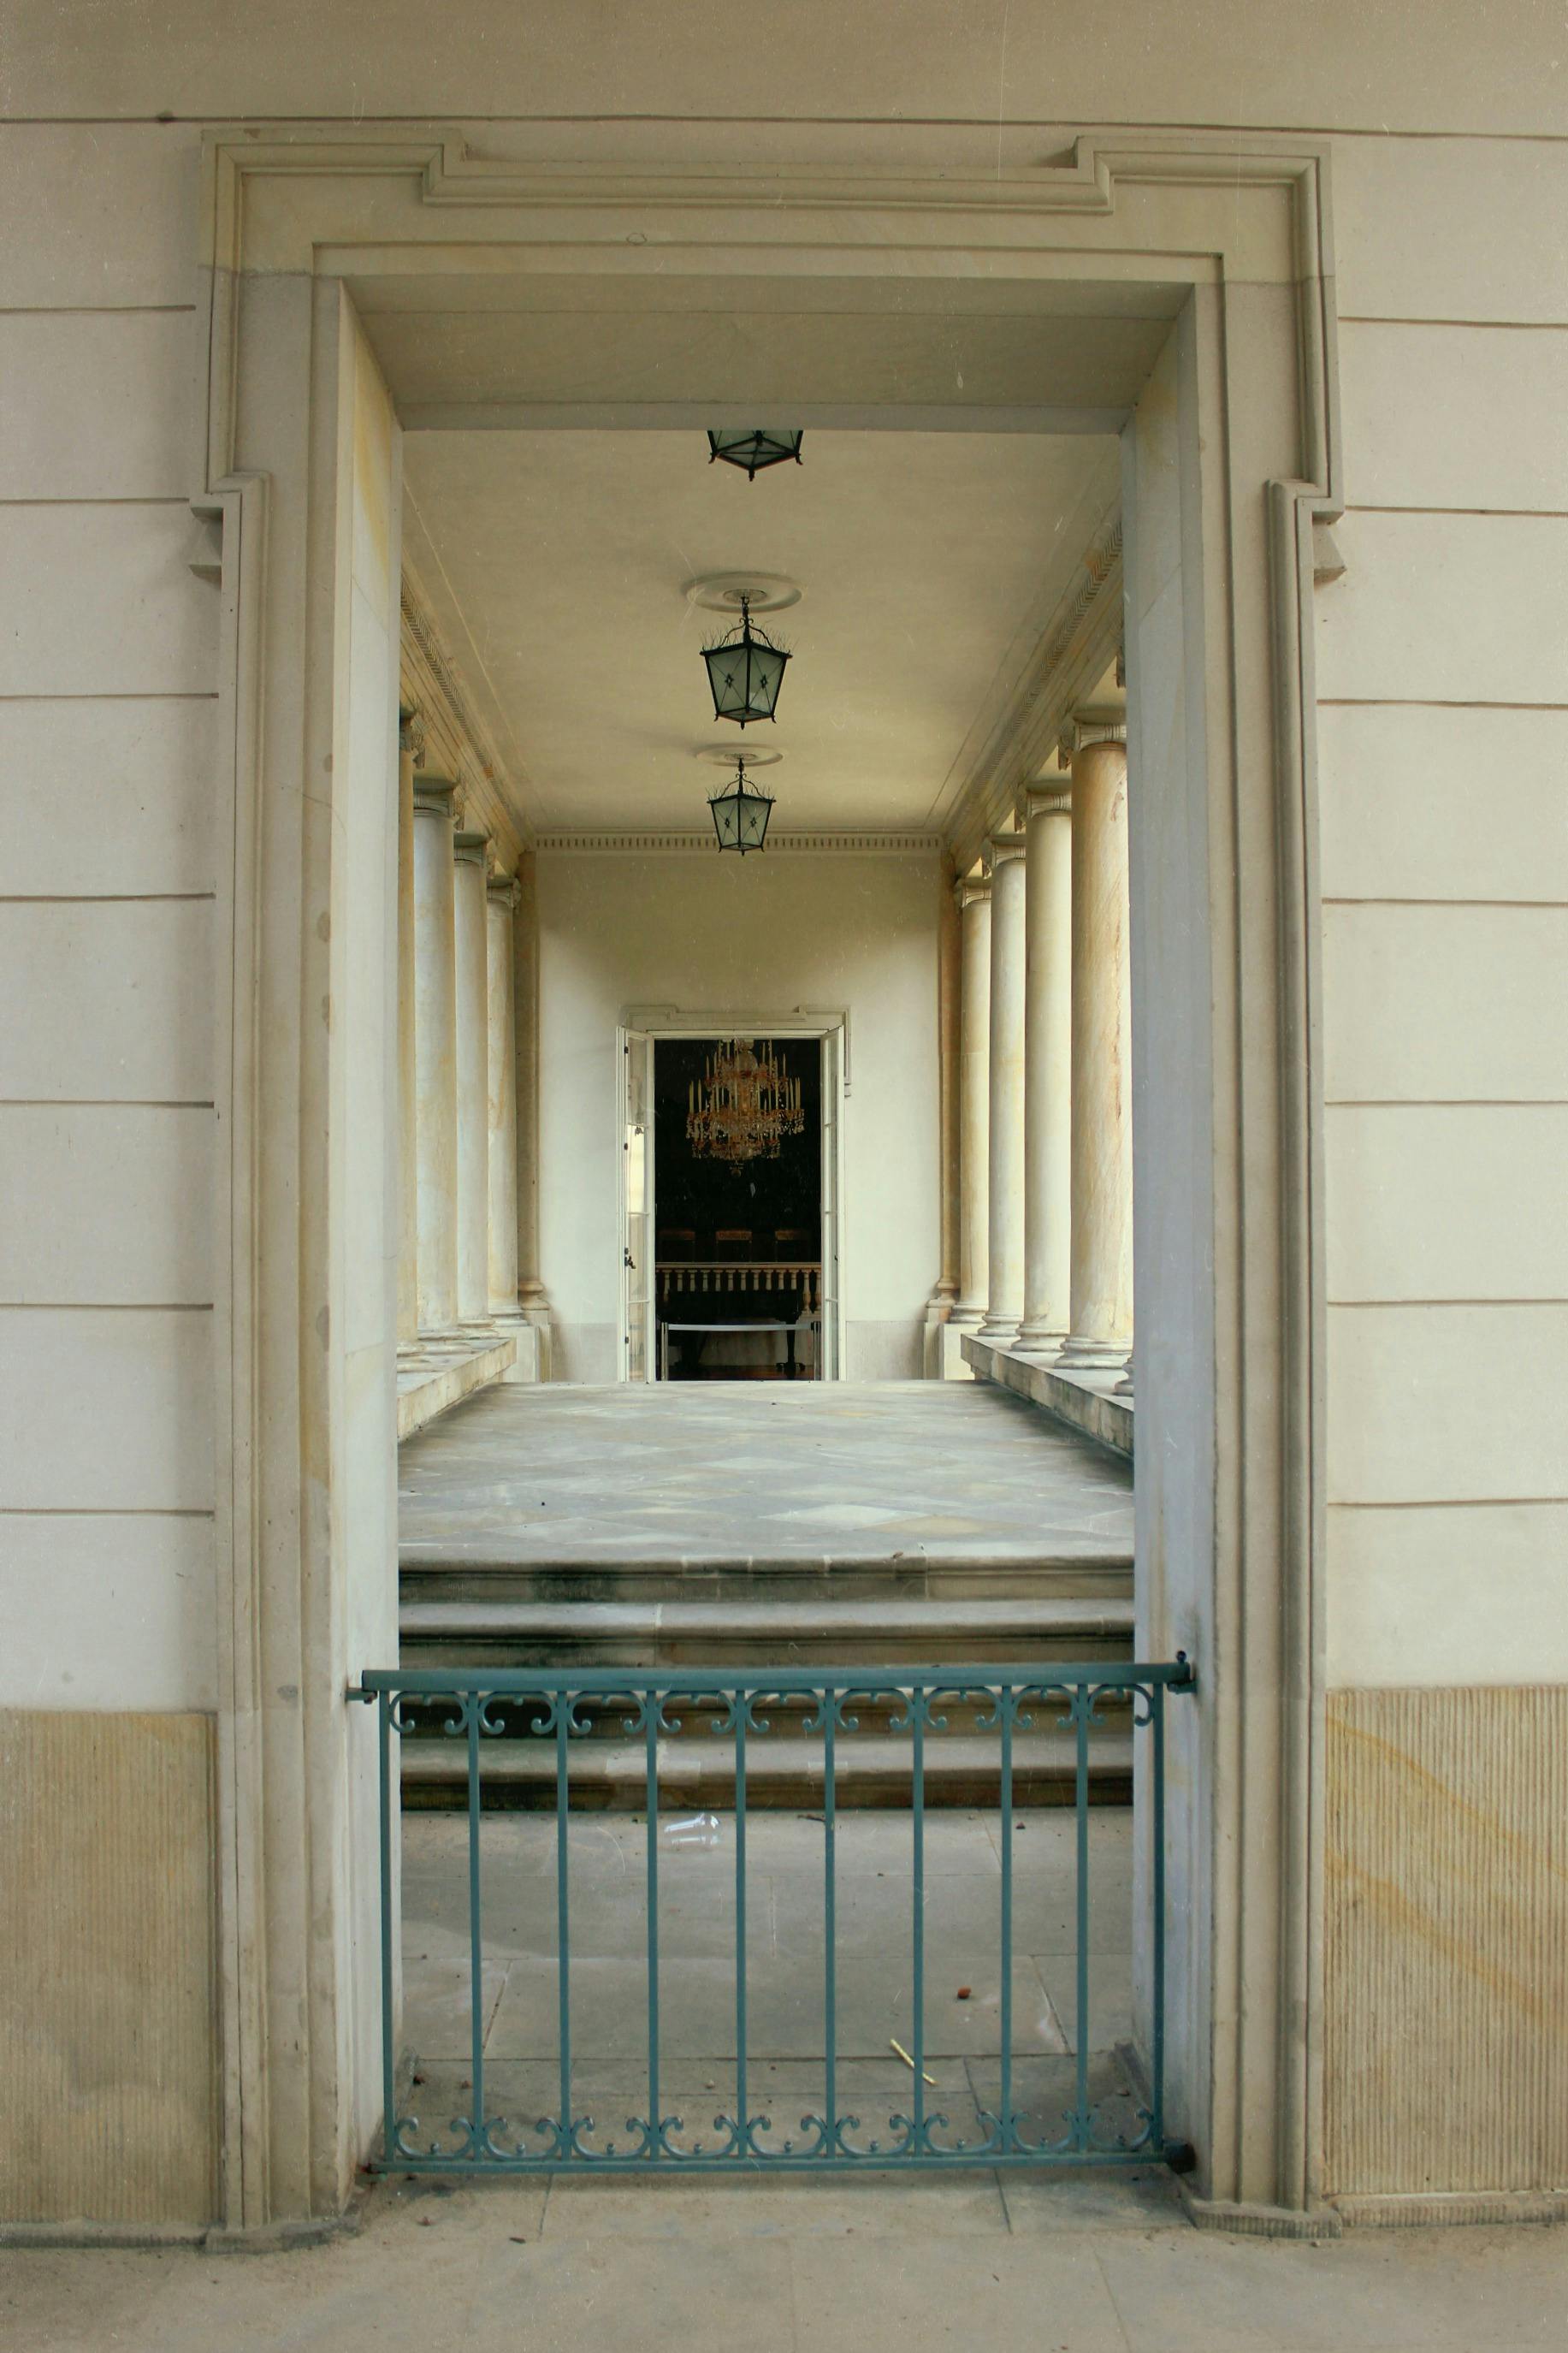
925	1476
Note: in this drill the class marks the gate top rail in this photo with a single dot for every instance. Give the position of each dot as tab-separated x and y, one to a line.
697	1682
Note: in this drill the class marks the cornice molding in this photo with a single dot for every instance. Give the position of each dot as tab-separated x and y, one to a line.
442	723
1075	649
636	842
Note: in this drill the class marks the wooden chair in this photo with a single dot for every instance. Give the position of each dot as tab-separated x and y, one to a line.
733	1242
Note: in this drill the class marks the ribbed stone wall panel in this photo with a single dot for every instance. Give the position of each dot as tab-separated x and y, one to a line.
1446	2014
108	2024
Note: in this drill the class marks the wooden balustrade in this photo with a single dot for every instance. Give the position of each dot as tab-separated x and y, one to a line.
743	1274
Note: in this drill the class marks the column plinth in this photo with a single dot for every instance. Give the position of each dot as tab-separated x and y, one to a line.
435	1057
1100	1305
1047	1068
1005	1188
470	930
974	898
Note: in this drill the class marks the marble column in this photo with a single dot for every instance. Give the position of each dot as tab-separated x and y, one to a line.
532	1297
434	1055
1004	1292
407	1066
470	929
501	1032
1048	1067
973	898
1100	1306
944	1296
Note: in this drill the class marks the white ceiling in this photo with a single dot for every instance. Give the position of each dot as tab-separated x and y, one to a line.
556	564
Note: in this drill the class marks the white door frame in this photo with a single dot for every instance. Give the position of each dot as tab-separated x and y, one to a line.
655	1023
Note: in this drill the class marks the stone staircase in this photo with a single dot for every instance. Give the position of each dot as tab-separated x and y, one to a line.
732	1619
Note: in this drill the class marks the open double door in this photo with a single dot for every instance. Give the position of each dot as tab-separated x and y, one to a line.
639	1185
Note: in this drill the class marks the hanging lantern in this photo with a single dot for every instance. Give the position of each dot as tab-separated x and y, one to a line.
745	671
755	450
740	814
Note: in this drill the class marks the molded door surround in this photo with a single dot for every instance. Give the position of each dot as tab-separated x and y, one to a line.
1231	458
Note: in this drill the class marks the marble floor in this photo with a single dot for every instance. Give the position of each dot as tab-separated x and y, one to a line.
753	1474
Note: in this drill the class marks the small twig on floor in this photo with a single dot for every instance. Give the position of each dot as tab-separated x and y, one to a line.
894	2044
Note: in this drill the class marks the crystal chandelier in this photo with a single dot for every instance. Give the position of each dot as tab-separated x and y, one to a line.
743	1105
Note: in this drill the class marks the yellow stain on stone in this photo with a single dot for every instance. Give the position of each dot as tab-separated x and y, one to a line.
1445	2042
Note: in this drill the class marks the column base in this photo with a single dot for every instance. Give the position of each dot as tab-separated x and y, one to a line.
1093	1356
1040	1339
999	1331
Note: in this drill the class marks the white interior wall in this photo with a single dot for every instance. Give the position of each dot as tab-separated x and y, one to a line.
698	932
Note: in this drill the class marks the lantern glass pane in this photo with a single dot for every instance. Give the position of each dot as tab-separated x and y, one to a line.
726	821
767	667
752	447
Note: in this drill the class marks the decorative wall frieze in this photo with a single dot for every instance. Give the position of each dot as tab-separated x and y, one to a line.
691	843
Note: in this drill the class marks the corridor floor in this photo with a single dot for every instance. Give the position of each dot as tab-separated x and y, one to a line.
755	1475
795	2266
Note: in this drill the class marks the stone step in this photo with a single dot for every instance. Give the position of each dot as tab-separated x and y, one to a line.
698	1774
453	1574
811	1632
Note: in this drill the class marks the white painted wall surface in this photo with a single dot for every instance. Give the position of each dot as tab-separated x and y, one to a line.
698	932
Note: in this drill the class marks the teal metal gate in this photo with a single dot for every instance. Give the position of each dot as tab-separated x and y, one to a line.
474	1707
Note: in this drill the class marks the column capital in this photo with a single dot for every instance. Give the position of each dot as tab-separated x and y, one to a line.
1048	795
433	795
411	734
470	849
1001	849
970	890
503	890
1079	733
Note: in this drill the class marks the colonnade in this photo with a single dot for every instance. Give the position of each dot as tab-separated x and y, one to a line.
1044	1121
461	1242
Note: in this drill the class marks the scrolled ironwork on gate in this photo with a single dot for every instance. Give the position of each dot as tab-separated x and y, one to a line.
824	1708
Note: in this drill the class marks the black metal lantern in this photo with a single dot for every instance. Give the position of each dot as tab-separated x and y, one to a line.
755	450
741	813
745	671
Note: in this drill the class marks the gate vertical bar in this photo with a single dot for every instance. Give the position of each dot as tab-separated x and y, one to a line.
1004	1706
475	1923
1157	2027
917	1765
1082	1702
651	1706
563	1918
388	2048
743	2103
830	1914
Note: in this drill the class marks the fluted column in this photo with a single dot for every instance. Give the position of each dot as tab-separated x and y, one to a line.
471	927
974	897
1048	1067
435	1049
533	1296
407	1065
1004	1293
501	1029
1101	1283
